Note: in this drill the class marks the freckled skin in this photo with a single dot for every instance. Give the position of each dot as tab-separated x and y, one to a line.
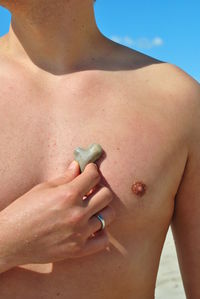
139	188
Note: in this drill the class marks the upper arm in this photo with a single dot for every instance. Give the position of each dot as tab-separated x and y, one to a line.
186	218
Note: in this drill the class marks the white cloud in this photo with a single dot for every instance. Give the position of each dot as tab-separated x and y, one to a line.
128	40
116	38
143	42
157	41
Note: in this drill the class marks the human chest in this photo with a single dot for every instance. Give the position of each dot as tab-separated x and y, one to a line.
39	137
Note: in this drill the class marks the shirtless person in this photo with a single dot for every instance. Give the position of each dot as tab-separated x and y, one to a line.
63	85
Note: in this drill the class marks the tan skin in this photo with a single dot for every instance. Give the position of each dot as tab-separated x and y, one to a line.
45	237
144	113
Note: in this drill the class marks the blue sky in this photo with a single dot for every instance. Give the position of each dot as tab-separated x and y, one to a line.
167	30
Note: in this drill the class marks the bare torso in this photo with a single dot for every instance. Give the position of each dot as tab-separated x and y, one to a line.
43	121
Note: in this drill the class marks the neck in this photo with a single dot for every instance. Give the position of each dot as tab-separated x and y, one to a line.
58	36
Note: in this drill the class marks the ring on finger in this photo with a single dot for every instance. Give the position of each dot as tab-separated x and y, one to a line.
101	219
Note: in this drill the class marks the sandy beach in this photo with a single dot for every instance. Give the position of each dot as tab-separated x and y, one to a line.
169	283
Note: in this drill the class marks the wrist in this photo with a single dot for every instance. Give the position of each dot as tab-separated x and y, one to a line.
6	263
8	258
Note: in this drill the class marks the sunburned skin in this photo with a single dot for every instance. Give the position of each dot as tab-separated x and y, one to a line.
139	188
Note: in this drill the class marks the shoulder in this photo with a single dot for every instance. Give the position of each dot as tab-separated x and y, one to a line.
168	82
174	79
181	94
174	93
166	78
182	90
176	86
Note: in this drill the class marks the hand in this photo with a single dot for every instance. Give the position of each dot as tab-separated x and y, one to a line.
52	222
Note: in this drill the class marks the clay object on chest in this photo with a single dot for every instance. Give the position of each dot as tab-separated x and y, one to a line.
88	155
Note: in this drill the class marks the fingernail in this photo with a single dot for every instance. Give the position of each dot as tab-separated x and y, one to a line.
72	165
108	248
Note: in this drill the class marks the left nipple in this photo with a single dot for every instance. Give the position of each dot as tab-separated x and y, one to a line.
139	188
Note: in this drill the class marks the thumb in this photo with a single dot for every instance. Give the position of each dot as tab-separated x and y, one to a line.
72	171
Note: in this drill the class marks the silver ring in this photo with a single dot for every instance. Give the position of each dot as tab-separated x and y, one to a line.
103	224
